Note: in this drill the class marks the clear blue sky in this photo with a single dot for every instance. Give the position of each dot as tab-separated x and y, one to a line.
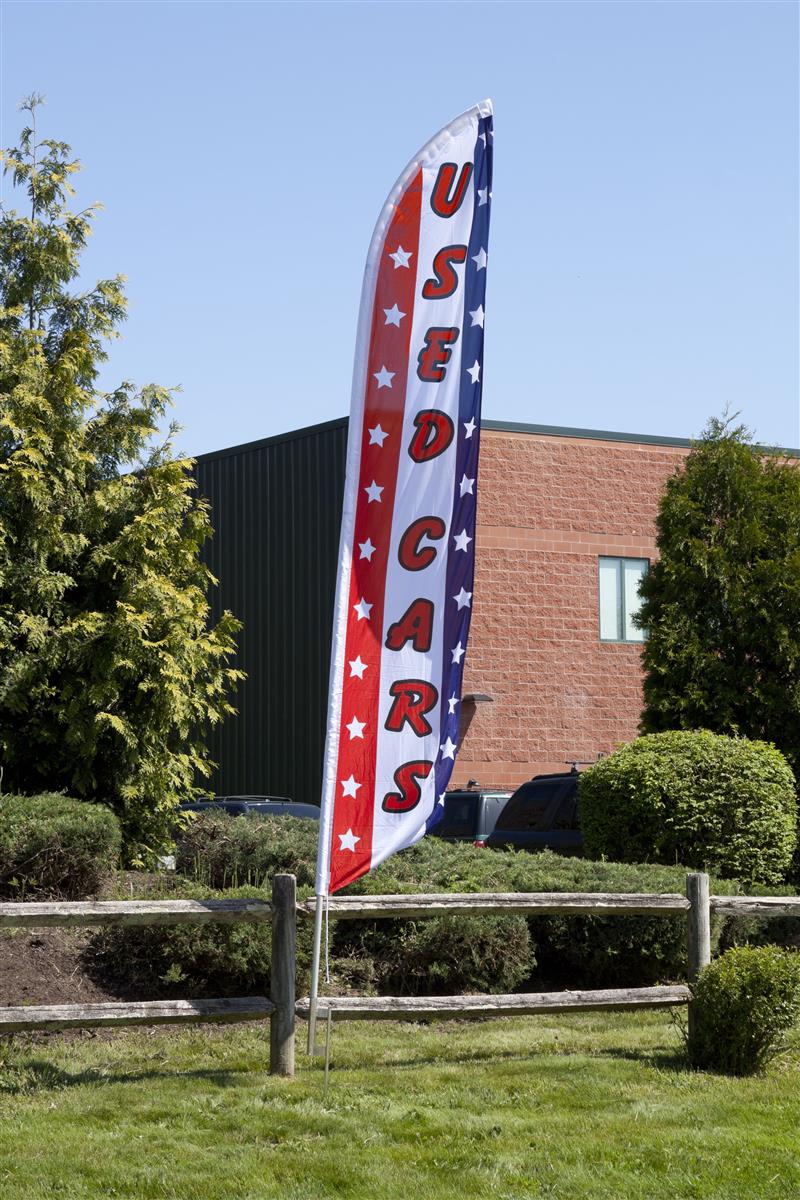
644	253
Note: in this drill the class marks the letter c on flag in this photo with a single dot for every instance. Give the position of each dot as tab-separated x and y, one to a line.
411	556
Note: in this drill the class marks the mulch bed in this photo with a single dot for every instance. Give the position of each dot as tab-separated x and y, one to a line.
43	966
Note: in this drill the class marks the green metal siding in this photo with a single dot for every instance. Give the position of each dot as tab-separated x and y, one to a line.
276	507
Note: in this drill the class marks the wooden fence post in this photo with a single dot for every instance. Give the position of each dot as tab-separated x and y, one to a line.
284	932
699	939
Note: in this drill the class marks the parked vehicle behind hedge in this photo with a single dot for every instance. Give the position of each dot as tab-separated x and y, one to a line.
54	847
252	806
470	814
542	814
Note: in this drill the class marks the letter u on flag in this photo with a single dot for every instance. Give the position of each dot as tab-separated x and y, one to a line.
406	556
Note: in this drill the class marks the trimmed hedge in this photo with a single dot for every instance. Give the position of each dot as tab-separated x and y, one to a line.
711	802
225	851
743	1002
53	847
438	956
189	961
570	951
573	951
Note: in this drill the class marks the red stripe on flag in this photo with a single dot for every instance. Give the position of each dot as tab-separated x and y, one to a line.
351	836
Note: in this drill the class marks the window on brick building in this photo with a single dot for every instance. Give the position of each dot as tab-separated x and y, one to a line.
619	580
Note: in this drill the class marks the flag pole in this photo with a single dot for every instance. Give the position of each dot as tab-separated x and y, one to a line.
312	1004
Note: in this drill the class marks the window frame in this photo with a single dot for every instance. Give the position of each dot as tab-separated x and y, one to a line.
619	560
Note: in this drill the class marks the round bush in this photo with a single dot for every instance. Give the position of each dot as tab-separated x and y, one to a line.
190	961
707	801
743	1002
54	847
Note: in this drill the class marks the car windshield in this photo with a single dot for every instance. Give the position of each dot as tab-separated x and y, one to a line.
528	808
460	813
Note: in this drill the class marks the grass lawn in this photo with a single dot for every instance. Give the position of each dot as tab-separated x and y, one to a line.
589	1106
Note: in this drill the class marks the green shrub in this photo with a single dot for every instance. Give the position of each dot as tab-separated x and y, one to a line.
189	961
224	851
440	955
763	931
743	1002
570	951
701	799
54	847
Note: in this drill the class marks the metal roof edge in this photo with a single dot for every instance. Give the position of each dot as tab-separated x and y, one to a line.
600	435
291	436
605	435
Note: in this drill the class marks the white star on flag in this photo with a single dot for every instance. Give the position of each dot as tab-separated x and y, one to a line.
474	371
367	550
480	259
458	653
469	426
377	436
441	797
348	840
363	609
451	704
462	540
401	257
384	377
477	316
357	668
466	485
482	194
463	599
356	728
374	492
350	787
448	749
393	316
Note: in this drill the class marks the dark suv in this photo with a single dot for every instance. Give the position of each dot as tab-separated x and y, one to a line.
541	815
244	806
470	815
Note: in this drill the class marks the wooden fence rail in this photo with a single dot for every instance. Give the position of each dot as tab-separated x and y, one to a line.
132	912
531	903
279	1008
283	912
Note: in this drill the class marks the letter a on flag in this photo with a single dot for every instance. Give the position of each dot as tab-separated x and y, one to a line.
406	558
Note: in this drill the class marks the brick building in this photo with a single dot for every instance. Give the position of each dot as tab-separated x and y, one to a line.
565	527
561	515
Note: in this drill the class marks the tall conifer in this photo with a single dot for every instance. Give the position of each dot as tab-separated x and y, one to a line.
722	604
109	670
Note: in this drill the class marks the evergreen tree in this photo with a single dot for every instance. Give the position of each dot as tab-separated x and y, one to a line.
722	604
109	671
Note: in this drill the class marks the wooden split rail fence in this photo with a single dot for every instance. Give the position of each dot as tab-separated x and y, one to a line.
283	912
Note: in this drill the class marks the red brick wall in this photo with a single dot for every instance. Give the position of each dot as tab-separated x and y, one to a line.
548	507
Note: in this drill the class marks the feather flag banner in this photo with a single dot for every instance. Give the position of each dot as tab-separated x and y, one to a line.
406	558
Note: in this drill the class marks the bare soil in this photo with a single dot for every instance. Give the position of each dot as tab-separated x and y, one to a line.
43	966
